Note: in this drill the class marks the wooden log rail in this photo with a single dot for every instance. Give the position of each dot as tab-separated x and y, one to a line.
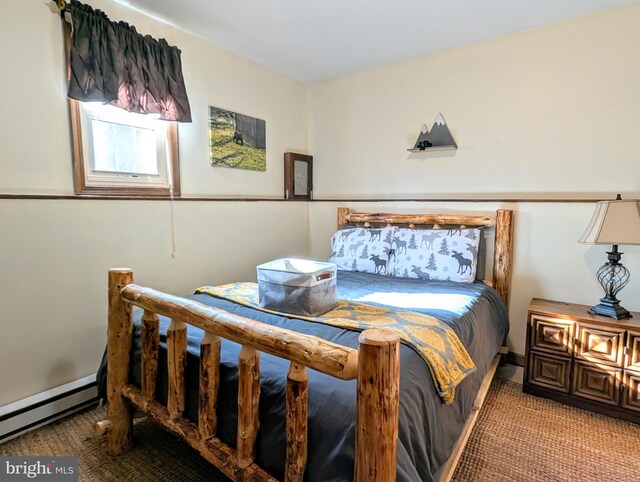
375	365
420	219
326	357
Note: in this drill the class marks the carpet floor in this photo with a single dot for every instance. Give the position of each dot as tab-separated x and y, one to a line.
517	438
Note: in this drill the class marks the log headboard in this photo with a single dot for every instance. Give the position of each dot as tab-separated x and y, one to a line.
503	245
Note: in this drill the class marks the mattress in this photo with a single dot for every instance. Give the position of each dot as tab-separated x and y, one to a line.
428	429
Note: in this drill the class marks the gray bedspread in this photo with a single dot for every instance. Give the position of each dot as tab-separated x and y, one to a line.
428	429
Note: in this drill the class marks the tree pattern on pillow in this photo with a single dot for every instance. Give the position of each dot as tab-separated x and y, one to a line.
366	250
444	254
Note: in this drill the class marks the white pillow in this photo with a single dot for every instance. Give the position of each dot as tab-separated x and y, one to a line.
362	249
436	254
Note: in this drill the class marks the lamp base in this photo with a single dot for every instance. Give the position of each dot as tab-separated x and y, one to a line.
612	276
611	308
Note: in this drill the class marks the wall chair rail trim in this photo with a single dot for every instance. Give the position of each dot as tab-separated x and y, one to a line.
75	197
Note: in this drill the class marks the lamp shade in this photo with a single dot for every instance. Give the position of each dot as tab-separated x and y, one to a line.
614	222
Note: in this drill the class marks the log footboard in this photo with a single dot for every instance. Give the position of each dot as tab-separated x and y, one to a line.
375	365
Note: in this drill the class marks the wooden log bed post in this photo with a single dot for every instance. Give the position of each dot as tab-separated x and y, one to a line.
150	347
248	398
503	254
297	412
209	383
342	217
378	400
119	332
176	364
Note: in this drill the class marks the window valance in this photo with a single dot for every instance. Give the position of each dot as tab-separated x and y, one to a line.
111	62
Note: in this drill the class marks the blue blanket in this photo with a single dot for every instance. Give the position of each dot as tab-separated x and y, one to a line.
434	340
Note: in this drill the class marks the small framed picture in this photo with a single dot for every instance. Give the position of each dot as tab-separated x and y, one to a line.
298	176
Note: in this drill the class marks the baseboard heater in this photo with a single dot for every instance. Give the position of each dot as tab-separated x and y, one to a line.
43	408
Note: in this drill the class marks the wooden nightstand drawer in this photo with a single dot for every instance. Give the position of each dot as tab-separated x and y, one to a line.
553	335
549	371
632	359
597	382
600	344
631	394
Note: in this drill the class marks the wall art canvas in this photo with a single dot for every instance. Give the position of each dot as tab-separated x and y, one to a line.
237	140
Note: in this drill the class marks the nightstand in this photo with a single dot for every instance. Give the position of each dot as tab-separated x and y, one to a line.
585	360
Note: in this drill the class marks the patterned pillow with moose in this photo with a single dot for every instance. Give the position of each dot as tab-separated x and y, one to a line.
430	254
362	249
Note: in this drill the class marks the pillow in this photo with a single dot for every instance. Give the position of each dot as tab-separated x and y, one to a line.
362	249
430	254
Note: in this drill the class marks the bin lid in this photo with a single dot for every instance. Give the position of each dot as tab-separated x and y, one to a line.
295	265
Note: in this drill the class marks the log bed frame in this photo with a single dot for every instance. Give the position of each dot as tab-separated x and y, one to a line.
375	365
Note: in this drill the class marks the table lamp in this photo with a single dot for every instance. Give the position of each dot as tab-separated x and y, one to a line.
613	222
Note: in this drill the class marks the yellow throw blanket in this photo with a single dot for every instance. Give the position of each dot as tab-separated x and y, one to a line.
442	350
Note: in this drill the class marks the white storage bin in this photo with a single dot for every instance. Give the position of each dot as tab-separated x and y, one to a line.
297	286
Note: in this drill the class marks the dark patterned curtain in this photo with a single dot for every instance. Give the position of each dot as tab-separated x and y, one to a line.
112	63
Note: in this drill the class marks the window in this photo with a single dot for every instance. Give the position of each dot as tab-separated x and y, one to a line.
122	153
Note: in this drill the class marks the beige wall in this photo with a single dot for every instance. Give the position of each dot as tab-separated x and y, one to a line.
55	254
549	113
55	257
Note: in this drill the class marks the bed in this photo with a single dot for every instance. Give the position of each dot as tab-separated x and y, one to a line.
269	397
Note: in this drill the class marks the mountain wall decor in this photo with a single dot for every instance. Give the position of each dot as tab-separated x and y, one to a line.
438	138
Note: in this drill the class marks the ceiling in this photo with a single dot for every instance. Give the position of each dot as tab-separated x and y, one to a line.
316	40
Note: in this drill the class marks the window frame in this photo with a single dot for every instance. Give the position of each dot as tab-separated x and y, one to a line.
81	186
